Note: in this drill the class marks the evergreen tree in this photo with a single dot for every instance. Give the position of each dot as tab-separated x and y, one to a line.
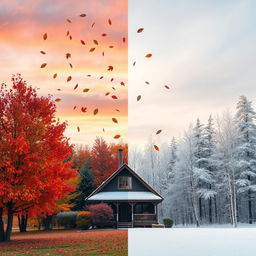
85	187
246	163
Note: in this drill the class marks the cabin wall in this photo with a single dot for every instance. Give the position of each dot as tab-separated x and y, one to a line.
113	184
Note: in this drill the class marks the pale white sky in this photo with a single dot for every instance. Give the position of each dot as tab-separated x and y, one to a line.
204	50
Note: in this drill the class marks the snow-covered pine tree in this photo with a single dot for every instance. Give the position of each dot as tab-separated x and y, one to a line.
209	165
246	164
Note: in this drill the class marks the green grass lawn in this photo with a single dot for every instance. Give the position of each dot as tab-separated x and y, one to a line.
67	242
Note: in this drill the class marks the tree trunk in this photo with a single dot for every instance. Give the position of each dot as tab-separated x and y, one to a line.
250	206
2	233
23	219
9	222
47	222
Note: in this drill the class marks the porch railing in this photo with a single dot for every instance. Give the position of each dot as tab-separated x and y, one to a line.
146	217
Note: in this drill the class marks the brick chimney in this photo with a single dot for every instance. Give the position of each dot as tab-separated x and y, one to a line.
120	157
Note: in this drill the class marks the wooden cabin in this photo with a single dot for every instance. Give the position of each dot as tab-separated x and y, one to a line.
133	201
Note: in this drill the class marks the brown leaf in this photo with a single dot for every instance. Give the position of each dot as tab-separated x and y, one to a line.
117	136
86	90
67	33
167	87
109	22
114	120
146	82
159	131
96	42
156	147
68	20
95	111
106	94
138	97
70	37
83	15
134	63
43	65
55	75
76	86
124	39
117	110
111	46
69	78
93	24
70	65
68	55
58	99
82	42
78	128
42	52
103	130
149	55
45	36
92	49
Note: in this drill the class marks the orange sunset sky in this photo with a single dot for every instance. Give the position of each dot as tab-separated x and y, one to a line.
22	25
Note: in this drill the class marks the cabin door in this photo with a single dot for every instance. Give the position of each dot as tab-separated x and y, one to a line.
125	212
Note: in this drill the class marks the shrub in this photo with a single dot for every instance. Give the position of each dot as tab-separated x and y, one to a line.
168	223
101	213
84	219
67	219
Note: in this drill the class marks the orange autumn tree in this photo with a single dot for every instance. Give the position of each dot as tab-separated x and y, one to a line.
33	152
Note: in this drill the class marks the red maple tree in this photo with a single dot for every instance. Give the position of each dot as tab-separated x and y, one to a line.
33	154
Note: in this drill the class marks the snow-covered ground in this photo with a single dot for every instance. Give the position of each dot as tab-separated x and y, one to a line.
192	241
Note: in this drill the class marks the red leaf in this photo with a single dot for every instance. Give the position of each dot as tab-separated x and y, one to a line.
122	83
114	97
69	78
78	128
156	147
45	36
114	120
140	30
116	136
82	42
43	65
76	86
167	87
109	22
74	107
83	109
149	55
123	39
112	79
110	68
104	34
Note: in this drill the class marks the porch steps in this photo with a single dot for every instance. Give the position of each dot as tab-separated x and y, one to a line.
124	225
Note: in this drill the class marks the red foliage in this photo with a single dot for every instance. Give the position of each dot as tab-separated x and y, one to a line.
33	151
101	212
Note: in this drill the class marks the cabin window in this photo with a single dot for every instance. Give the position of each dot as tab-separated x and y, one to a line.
144	208
124	182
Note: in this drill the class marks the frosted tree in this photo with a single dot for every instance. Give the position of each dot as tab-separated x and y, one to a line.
246	155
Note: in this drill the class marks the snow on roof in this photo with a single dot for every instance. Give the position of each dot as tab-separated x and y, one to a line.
124	196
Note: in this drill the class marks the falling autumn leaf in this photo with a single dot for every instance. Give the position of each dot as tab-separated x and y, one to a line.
146	82
140	30
103	130
109	22
95	111
68	55
114	88
74	107
43	65
70	65
86	90
106	94
122	83
45	36
149	55
95	42
103	53
76	86
114	97
58	99
116	136
167	87
112	79
104	34
156	147
83	15
123	39
159	131
110	68
134	63
42	52
69	78
78	128
67	33
138	97
58	89
92	49
89	75
70	37
114	120
83	109
117	110
101	77
82	42
111	46
55	75
93	24
68	20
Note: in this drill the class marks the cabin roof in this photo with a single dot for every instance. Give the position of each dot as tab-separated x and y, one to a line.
126	195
